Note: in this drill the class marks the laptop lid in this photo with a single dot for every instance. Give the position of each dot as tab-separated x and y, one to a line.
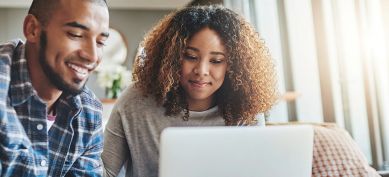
277	151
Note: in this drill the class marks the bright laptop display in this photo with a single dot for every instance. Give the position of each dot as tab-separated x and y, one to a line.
278	151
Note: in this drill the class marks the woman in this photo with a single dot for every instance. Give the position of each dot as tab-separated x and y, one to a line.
201	66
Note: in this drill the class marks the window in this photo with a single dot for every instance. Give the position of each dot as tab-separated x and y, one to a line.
331	55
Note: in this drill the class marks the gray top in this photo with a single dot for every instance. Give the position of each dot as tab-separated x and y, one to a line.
133	131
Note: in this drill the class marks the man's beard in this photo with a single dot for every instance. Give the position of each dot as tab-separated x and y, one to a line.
54	77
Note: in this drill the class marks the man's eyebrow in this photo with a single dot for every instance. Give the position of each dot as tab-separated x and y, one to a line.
83	27
77	25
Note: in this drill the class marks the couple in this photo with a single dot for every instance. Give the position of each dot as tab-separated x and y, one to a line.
197	62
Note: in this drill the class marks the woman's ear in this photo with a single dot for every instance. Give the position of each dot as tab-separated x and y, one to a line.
32	28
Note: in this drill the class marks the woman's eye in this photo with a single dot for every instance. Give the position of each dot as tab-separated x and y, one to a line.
217	61
190	57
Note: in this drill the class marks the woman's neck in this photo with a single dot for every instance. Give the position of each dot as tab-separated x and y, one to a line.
200	105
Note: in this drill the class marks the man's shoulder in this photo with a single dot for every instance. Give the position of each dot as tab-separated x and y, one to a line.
10	46
7	52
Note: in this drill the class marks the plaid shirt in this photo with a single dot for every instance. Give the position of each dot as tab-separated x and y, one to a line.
71	147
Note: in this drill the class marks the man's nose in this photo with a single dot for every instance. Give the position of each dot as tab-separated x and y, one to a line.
90	52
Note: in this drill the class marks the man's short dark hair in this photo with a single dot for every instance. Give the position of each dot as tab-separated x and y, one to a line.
43	9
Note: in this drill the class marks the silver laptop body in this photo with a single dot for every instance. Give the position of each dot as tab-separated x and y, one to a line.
277	151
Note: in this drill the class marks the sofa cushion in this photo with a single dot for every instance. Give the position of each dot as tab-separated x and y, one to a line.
335	153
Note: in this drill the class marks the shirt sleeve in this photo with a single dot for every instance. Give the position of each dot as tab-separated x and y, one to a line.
4	84
116	151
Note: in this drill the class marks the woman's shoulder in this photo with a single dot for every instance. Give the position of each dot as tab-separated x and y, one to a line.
133	106
133	97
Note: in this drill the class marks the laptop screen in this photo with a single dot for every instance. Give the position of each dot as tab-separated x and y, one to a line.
277	151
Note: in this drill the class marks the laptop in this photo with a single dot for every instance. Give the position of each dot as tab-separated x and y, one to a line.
277	151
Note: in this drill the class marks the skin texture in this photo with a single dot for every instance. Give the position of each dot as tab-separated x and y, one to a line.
62	53
204	66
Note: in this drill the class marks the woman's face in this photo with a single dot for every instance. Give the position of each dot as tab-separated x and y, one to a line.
204	65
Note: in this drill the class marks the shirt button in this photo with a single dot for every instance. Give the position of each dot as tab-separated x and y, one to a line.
43	163
39	127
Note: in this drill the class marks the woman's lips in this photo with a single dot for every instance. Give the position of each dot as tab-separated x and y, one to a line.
199	84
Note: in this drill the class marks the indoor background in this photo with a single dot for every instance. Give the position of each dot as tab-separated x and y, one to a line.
332	57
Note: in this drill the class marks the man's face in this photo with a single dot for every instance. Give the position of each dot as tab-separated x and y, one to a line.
71	44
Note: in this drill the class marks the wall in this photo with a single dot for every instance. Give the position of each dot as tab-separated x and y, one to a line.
11	21
132	23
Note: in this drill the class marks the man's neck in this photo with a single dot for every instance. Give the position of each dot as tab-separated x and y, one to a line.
42	85
50	96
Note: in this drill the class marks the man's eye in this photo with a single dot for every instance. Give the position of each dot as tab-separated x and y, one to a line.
101	43
72	35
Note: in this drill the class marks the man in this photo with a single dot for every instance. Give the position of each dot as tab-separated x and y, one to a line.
50	123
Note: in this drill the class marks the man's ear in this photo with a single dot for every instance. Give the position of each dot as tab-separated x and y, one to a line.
32	28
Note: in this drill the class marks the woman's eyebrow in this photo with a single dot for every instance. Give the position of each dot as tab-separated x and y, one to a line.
213	52
217	53
192	48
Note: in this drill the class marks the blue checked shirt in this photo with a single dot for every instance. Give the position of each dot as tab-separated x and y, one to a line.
72	146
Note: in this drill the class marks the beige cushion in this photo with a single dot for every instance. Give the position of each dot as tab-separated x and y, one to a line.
335	154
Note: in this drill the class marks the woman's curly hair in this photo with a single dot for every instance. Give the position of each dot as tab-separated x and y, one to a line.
249	87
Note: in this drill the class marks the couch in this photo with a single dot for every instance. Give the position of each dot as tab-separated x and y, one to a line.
335	153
